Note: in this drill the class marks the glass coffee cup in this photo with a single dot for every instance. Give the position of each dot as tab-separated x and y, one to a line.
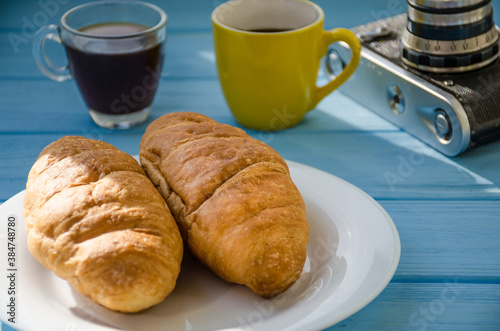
115	52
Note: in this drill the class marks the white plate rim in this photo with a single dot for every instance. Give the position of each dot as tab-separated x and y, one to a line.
323	318
325	321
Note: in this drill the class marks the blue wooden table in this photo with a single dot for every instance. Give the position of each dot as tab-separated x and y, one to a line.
447	210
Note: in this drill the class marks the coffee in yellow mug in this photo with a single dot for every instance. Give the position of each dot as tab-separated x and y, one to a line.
268	54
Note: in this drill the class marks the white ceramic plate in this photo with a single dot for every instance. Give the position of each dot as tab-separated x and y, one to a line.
353	252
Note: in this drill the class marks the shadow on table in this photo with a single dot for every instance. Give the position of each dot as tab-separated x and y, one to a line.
384	161
483	160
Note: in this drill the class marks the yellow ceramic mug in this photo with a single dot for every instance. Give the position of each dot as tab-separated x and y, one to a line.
268	54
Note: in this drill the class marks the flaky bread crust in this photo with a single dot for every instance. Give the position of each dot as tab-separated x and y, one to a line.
94	218
233	198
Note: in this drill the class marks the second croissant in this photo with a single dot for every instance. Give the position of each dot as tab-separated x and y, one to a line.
232	197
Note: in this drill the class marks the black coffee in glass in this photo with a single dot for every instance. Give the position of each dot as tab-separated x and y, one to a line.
120	82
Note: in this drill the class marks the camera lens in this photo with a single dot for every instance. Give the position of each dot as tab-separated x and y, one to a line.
447	36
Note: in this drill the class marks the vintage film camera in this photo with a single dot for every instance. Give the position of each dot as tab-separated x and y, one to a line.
433	72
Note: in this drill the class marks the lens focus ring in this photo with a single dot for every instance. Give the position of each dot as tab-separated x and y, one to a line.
450	47
449	36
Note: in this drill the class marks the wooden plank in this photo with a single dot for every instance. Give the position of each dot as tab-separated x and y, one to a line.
447	305
415	173
443	239
192	14
23	111
391	164
20	17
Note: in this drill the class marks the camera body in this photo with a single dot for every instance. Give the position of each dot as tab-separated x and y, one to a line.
452	112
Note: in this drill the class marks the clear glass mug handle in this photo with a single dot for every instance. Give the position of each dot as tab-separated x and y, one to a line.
45	65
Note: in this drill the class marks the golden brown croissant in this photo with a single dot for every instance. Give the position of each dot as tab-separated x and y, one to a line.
233	199
94	218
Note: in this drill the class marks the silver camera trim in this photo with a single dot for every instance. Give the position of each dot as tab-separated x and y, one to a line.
415	105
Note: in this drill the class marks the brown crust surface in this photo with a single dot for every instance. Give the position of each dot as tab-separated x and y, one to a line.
233	198
94	218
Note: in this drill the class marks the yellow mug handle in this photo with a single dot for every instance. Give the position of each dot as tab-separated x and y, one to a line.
331	36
